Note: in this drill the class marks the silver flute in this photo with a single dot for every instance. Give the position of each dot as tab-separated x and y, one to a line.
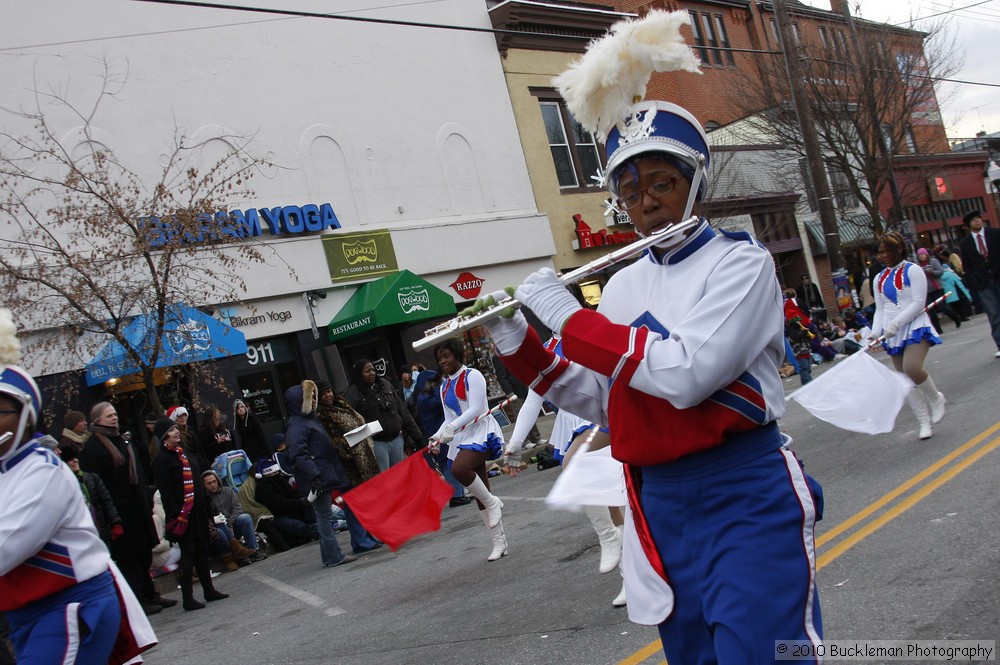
462	323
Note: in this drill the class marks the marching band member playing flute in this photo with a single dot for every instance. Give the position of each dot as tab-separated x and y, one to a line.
681	361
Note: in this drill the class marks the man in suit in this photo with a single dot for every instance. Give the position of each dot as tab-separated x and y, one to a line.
980	250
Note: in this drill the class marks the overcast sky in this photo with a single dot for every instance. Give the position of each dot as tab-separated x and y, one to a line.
975	26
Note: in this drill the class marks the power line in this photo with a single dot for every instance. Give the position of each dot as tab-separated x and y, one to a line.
942	13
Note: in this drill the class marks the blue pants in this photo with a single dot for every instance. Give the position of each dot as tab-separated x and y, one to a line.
77	625
389	453
329	548
734	528
361	540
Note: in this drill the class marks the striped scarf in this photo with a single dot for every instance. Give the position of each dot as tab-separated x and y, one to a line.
188	477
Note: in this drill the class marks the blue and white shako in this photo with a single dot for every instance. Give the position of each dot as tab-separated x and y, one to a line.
655	126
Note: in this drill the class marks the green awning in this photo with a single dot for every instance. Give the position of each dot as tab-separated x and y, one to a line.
398	298
854	230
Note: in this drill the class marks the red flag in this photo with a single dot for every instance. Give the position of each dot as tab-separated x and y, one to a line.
401	503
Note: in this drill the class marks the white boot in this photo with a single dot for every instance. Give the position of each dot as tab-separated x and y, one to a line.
916	400
492	504
609	535
620	600
934	398
499	538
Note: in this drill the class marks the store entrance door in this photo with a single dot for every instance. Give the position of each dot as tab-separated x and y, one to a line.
375	348
270	369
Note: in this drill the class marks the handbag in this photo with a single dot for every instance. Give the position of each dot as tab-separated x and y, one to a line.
175	529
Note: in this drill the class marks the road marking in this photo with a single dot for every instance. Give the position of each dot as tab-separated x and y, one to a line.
298	594
913	499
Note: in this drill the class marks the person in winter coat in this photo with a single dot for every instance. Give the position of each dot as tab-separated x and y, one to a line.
214	437
290	520
375	399
102	508
178	478
317	467
221	500
248	433
166	554
74	433
339	417
114	459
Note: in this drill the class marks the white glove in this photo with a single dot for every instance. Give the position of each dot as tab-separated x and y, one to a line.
548	298
891	330
508	329
444	434
512	453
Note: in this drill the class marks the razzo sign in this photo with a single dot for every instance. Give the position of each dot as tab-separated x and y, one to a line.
238	224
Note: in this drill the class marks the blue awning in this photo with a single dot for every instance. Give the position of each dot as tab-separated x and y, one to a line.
189	336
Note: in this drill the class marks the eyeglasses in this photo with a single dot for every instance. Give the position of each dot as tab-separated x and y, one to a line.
660	188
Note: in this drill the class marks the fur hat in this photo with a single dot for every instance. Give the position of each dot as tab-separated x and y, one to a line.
267	466
73	418
176	412
309	395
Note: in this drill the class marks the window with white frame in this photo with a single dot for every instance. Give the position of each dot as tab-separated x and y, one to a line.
576	155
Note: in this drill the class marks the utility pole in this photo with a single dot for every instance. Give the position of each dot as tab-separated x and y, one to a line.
810	141
868	97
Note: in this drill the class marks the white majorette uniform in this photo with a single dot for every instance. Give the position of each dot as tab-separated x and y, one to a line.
688	388
463	395
900	294
564	427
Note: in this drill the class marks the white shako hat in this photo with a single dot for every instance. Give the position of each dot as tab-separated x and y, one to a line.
602	90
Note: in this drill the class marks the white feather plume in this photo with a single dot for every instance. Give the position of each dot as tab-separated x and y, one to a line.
10	345
600	86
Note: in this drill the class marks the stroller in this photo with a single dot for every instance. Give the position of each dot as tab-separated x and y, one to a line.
233	467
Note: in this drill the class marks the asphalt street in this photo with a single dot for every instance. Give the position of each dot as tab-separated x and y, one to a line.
907	550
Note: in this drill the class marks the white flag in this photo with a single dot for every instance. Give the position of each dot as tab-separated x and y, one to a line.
860	394
590	479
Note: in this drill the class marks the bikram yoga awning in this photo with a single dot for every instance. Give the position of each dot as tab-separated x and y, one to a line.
189	335
399	298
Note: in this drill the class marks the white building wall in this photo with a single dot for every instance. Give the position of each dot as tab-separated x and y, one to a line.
398	127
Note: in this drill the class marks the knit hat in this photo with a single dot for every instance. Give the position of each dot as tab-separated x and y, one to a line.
277	441
73	418
163	425
923	252
267	466
151	418
601	90
176	412
69	453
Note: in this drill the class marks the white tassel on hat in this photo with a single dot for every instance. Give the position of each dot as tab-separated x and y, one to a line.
601	86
